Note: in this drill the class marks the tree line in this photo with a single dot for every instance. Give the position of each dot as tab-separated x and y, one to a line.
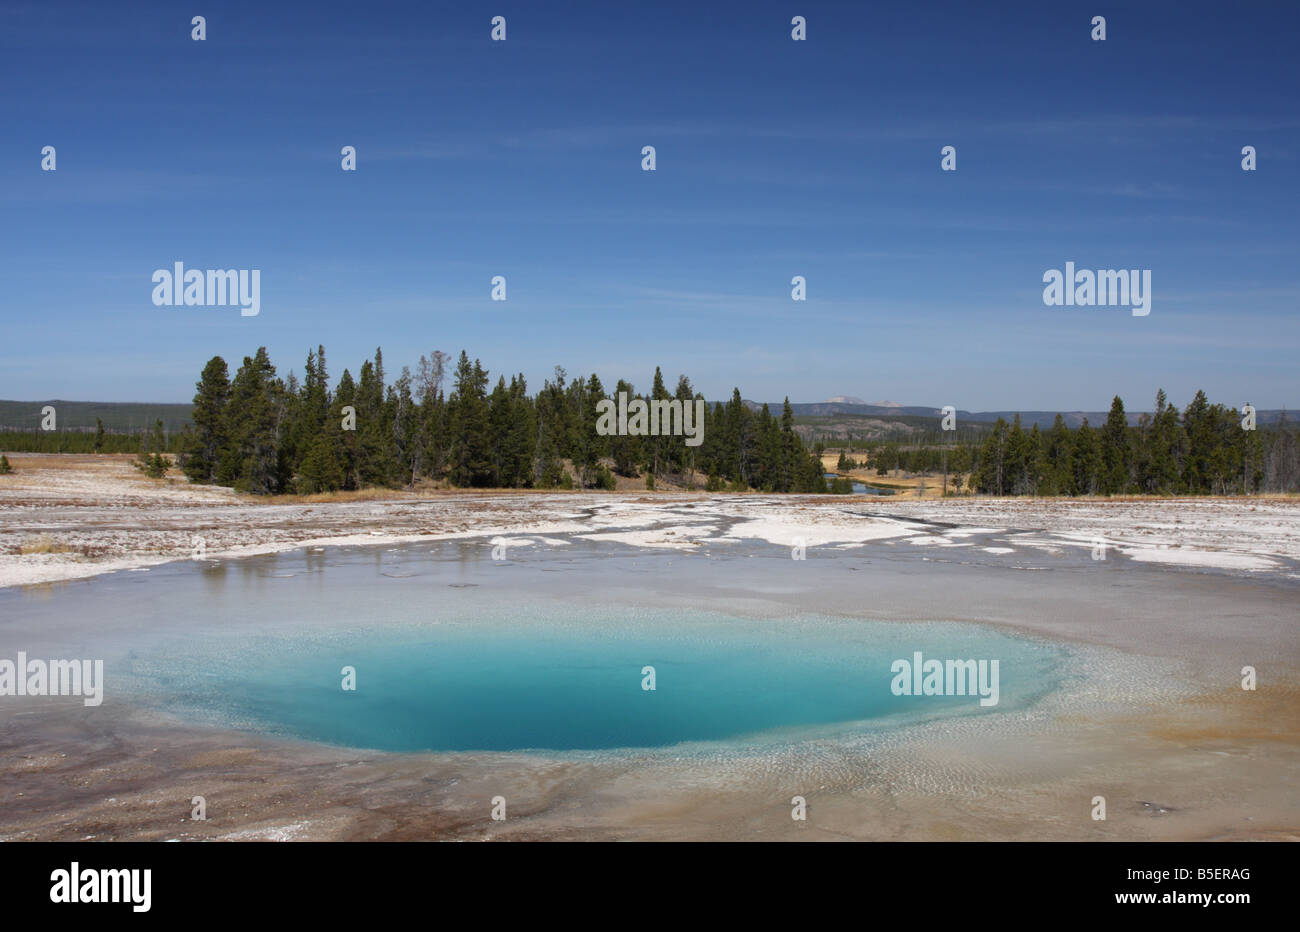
1203	449
260	433
84	440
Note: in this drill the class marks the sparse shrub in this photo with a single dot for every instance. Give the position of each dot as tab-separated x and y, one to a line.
154	464
5	468
605	479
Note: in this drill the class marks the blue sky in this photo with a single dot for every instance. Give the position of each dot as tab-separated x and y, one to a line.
775	158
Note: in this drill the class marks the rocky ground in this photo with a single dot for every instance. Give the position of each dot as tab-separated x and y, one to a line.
71	516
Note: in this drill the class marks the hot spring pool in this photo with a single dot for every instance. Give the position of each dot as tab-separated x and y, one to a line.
454	651
573	679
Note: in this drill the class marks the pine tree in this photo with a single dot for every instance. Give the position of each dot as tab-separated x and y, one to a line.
990	477
307	409
1034	461
657	445
1162	449
1017	460
625	448
597	446
767	443
376	464
709	454
500	414
551	432
684	458
347	446
322	468
740	441
1087	461
1199	428
210	438
1116	456
403	419
1058	459
521	440
791	448
251	461
470	457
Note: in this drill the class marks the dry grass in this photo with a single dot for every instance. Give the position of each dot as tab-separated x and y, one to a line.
906	485
354	495
76	461
43	544
420	492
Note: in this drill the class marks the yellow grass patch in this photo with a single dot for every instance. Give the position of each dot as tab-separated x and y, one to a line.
44	544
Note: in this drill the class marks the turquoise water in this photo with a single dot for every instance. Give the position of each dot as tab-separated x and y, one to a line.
571	680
